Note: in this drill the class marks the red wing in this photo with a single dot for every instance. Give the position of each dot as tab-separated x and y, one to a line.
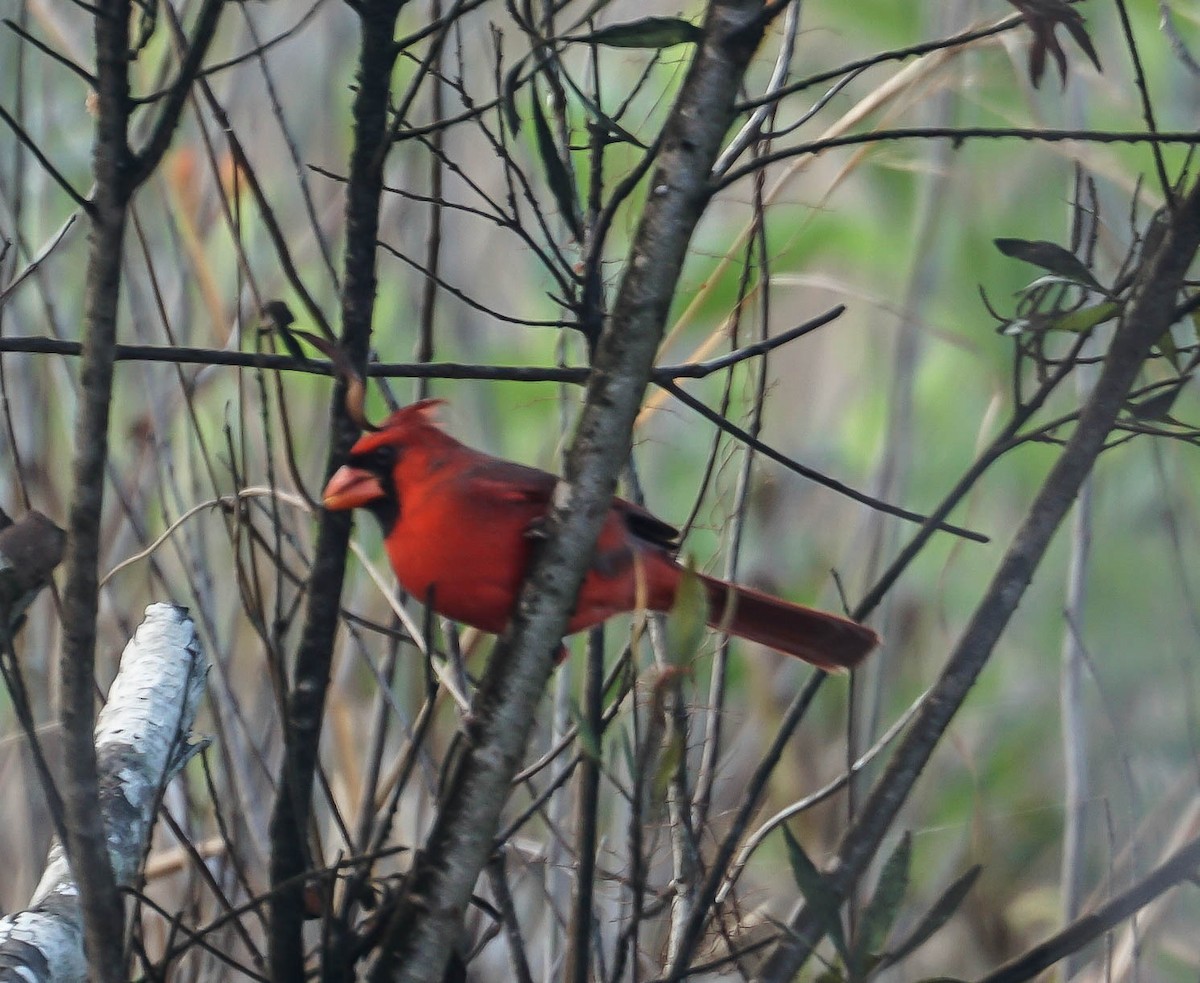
507	481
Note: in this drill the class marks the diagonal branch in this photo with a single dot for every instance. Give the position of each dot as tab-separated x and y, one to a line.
424	926
31	145
1151	312
1179	867
147	159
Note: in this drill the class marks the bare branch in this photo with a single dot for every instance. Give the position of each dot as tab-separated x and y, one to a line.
306	700
1180	867
148	157
103	912
53	171
423	928
958	135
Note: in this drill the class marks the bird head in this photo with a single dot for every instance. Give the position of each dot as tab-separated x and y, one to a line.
370	475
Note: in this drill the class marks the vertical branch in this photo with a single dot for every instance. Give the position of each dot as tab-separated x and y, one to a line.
1074	724
756	789
306	700
714	711
433	244
87	846
558	873
587	815
685	852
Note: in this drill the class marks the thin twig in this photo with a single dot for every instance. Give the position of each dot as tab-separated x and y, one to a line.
959	135
806	472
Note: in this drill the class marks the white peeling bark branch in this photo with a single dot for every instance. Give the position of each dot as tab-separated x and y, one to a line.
141	744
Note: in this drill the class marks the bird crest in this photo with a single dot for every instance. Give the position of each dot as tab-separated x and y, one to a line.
422	413
402	427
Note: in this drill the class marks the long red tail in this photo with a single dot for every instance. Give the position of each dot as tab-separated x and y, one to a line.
826	640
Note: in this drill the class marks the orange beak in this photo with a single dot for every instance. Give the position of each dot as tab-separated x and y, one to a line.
351	488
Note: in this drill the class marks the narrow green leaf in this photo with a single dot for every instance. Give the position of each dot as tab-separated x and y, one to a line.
653	745
818	895
587	738
557	175
627	751
666	766
936	917
880	913
1050	256
613	131
1166	345
687	618
1086	318
649	32
147	24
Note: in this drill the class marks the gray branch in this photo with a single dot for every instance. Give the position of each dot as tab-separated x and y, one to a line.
426	924
141	743
1151	311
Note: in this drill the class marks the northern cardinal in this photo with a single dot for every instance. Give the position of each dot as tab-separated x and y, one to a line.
459	525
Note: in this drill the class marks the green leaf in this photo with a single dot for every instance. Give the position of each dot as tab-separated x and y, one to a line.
818	895
1053	257
936	917
585	736
1166	345
147	23
1074	322
557	174
688	618
666	766
880	913
649	32
627	751
1086	318
612	130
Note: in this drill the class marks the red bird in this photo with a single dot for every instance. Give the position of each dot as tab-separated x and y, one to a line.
458	525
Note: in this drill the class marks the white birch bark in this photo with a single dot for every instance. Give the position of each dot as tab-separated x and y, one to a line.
143	739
